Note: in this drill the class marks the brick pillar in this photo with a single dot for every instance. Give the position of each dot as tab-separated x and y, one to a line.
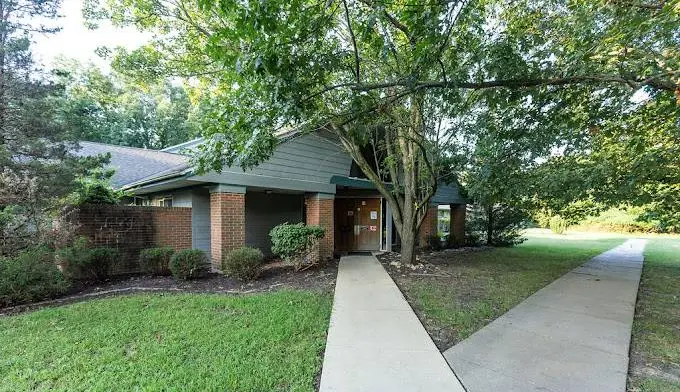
319	211
429	226
457	224
227	221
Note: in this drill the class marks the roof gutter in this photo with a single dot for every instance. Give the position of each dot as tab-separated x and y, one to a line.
151	180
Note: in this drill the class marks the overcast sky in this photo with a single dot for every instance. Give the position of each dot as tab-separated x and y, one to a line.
76	41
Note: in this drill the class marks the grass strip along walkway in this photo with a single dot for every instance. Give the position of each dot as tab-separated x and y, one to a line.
655	351
472	289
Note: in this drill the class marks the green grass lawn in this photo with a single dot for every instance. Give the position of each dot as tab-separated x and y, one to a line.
182	342
481	286
655	362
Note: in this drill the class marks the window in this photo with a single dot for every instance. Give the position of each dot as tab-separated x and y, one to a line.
165	201
141	201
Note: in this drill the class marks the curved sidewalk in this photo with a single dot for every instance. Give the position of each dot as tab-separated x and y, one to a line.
572	335
375	341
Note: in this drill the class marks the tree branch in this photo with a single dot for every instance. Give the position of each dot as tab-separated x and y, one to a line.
393	21
653	81
656	81
354	42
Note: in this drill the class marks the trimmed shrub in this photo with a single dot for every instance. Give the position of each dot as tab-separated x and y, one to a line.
84	263
295	242
189	264
30	276
97	265
156	261
243	263
558	225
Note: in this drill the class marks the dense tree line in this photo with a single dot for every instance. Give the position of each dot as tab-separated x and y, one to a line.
38	170
112	108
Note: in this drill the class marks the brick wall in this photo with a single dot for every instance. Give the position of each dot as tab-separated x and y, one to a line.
227	224
319	211
429	225
171	227
457	229
131	229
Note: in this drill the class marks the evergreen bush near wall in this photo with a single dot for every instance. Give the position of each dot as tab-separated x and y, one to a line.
189	264
84	263
30	276
243	263
156	261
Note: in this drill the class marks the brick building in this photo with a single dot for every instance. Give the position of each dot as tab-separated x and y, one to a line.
309	178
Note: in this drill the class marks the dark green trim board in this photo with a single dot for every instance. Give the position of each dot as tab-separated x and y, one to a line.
354	182
446	194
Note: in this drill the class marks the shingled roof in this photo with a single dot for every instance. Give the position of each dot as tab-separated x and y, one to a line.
133	164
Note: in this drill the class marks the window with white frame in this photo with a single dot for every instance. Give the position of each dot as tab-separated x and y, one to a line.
165	201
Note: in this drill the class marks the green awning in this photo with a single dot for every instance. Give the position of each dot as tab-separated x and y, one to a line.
354	182
446	194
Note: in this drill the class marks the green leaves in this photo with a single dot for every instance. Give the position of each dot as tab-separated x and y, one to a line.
114	108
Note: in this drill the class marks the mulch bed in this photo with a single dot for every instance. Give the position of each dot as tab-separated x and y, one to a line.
428	263
274	276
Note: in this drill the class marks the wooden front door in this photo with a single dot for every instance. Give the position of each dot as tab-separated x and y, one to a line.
357	224
367	227
344	224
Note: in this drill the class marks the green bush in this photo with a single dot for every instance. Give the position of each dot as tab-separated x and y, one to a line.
628	220
189	264
473	237
542	219
294	242
156	261
558	225
95	188
30	276
98	264
505	221
84	263
243	263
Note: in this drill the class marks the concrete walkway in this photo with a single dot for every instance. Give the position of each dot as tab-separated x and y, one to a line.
375	341
572	335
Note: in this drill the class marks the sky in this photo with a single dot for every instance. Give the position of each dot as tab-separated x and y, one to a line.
78	42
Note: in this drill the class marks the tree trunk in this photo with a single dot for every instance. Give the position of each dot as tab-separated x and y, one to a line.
411	173
408	245
489	225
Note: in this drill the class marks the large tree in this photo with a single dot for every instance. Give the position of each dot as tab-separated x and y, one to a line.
393	77
36	169
628	159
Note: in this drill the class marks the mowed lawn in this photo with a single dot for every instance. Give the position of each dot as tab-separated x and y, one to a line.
480	286
655	351
171	342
